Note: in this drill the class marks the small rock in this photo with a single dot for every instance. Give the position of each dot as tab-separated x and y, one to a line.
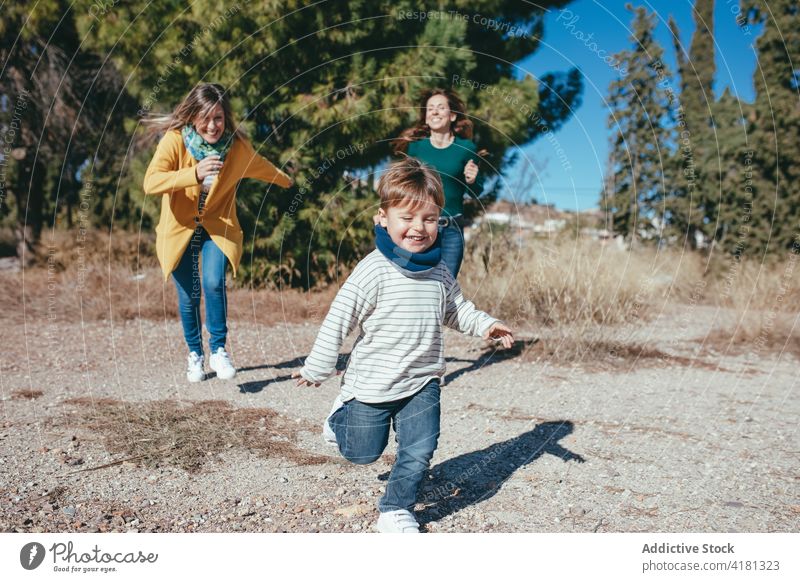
69	511
353	510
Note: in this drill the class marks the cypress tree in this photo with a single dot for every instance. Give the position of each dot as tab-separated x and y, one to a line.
694	185
774	128
641	140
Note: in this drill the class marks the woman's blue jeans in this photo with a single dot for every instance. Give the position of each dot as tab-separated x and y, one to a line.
452	247
362	433
189	282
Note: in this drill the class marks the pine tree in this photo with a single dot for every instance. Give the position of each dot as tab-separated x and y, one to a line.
641	140
57	98
323	90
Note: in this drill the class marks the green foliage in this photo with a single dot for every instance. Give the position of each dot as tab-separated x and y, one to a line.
724	170
693	177
322	90
774	127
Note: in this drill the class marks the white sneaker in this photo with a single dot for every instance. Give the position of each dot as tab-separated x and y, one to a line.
194	371
398	521
221	364
327	431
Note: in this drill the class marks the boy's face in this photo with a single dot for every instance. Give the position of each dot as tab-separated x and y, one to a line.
412	227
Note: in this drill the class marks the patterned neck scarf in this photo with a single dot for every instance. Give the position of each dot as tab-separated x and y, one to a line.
200	148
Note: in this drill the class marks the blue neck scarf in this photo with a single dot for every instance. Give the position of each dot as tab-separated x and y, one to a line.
414	262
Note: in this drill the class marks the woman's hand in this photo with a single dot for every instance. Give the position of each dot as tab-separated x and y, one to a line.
470	172
501	332
208	166
302	381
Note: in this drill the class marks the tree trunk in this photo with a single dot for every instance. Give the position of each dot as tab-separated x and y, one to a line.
28	193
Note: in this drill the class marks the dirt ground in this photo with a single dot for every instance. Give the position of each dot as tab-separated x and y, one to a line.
101	432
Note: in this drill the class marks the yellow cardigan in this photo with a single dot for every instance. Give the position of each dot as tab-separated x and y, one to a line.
172	174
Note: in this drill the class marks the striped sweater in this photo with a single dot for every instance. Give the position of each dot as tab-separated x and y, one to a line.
399	315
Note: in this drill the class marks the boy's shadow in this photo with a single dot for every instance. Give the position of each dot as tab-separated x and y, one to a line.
492	355
293	364
473	477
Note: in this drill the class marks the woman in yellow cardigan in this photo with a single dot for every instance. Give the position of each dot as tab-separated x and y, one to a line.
196	168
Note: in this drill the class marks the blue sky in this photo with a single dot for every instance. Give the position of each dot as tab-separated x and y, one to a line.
584	139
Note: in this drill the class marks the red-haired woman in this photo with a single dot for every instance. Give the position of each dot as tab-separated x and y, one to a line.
442	138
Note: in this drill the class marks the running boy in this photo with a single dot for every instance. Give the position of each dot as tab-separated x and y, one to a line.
398	297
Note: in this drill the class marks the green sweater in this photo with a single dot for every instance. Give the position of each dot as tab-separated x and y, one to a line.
450	162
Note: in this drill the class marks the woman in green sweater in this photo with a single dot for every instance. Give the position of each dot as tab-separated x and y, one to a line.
442	139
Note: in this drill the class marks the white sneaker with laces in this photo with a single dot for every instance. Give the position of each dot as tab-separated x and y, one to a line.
327	431
220	362
194	371
398	521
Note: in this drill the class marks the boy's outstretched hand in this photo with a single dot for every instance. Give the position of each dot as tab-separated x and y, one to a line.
302	381
501	332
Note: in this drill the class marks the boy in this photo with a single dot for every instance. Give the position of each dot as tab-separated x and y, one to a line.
399	297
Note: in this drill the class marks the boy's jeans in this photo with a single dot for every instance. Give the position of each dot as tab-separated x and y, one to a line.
362	432
188	282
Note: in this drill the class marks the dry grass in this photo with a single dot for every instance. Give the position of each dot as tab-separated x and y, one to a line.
761	302
561	281
119	277
601	347
26	394
575	286
187	435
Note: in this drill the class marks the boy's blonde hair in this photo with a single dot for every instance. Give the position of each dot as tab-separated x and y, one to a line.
409	181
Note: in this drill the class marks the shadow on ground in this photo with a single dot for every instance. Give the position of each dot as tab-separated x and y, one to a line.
468	479
491	356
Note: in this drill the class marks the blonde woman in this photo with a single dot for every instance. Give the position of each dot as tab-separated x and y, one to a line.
196	168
